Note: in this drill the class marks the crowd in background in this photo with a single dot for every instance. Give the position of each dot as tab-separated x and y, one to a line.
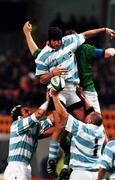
17	82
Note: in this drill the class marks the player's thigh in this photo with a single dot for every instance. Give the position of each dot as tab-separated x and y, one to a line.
69	96
17	172
16	177
93	98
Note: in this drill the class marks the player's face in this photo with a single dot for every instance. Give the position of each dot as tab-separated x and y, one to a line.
55	44
25	111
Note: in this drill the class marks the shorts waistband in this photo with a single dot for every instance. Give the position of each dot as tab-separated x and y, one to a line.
17	162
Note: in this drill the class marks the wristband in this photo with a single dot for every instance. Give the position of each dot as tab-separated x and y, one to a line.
99	53
44	106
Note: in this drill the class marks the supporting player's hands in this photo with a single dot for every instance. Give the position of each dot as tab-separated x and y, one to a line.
53	92
27	28
110	32
48	95
59	71
79	92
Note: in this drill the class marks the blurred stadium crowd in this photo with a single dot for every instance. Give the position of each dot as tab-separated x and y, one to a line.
18	85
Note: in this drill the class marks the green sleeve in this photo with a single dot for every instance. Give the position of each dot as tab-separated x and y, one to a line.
36	52
88	49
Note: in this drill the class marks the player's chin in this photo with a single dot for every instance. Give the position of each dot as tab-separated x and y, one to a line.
56	47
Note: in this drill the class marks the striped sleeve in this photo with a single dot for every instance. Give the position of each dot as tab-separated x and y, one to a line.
42	62
25	123
80	39
41	68
107	158
44	125
74	41
73	125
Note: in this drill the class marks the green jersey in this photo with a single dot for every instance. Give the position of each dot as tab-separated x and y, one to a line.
85	54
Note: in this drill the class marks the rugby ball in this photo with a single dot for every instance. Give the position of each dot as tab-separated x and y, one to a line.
57	83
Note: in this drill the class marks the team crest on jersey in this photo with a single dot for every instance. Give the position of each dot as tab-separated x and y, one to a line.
70	53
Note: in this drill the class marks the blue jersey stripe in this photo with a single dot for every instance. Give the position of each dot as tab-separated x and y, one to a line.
41	67
84	144
108	158
24	138
20	158
81	158
22	145
45	56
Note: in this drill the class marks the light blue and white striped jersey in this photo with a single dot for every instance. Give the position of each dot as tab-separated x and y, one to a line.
24	137
86	144
108	157
49	58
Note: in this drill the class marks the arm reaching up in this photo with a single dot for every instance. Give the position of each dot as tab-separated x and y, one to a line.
43	108
27	29
94	32
60	109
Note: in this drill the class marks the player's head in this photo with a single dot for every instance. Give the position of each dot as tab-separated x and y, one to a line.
70	31
55	37
94	118
20	111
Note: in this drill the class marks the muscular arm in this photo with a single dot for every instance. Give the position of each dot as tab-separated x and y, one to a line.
91	33
27	29
42	109
45	78
60	109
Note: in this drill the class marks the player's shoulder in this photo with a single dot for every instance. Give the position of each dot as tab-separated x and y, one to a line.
111	144
44	54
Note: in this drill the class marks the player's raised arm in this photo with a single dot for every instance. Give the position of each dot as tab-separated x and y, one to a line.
42	109
27	29
60	109
94	32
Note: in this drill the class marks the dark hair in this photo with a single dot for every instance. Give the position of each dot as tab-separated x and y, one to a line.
96	118
70	31
15	112
54	33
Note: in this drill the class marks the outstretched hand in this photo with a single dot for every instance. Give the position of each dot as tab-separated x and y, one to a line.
110	32
27	28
